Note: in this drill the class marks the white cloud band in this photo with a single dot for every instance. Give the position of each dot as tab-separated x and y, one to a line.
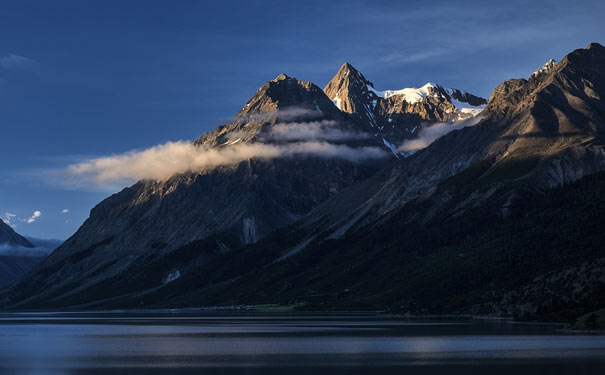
165	160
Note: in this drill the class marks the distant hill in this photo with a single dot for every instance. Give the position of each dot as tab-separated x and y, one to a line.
9	237
19	254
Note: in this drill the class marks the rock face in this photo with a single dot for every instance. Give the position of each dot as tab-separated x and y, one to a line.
397	114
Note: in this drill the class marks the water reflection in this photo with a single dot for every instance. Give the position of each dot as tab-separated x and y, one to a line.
191	342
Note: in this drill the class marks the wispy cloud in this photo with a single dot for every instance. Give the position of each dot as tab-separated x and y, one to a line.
34	217
414	55
12	61
324	130
13	220
163	161
42	247
429	133
284	115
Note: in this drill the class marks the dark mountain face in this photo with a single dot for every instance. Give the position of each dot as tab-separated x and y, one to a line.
463	225
14	267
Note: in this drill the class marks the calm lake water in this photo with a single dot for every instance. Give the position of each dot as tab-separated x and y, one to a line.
248	343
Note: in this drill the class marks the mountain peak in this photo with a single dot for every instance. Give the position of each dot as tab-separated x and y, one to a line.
284	99
282	77
348	88
348	69
281	92
347	75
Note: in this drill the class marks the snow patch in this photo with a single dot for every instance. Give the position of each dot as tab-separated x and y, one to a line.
232	141
337	102
467	109
410	95
547	67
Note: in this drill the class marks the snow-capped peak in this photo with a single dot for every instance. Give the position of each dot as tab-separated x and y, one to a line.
410	95
545	68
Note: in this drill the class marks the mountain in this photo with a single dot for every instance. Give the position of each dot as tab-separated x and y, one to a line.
230	204
482	221
395	115
462	225
499	218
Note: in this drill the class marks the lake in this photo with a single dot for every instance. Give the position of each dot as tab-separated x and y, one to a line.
198	342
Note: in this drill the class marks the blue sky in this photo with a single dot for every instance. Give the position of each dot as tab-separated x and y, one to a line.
84	79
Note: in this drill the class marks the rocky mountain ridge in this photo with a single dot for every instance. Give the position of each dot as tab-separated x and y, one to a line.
395	115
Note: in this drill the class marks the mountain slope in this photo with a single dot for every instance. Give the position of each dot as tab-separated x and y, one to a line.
482	263
14	267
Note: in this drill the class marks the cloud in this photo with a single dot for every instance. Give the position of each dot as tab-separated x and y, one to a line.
428	134
65	211
414	56
42	248
12	61
34	216
283	114
313	131
162	161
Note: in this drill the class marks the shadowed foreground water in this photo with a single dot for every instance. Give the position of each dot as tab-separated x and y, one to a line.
247	343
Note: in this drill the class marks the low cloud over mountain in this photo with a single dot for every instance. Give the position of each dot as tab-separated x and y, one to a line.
429	133
165	160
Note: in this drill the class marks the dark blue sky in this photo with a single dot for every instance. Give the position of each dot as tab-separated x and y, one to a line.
83	79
